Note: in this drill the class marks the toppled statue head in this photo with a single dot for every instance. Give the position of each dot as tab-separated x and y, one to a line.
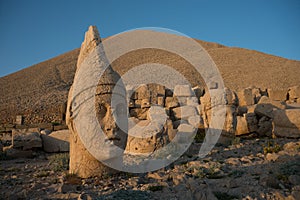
90	147
111	109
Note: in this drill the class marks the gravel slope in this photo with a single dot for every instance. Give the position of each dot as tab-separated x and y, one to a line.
39	91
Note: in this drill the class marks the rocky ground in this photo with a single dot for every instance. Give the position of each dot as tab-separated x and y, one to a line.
247	169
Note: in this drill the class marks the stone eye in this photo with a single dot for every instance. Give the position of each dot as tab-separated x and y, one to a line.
102	110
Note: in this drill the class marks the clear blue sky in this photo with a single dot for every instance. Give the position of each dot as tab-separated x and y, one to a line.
34	31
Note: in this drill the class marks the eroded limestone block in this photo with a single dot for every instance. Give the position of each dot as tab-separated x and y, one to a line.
245	97
286	123
185	134
171	102
184	112
213	98
252	122
257	94
246	124
192	101
157	114
265	126
278	94
289	118
58	141
294	92
286	132
196	121
171	131
230	121
160	101
183	91
231	97
157	92
143	92
26	141
241	127
265	107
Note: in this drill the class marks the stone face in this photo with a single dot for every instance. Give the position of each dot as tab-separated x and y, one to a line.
278	94
286	123
184	112
183	91
217	98
245	97
58	141
26	141
82	162
227	99
146	136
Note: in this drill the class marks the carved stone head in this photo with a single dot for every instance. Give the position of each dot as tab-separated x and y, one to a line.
111	109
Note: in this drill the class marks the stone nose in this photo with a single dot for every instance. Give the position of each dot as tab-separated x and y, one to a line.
111	132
